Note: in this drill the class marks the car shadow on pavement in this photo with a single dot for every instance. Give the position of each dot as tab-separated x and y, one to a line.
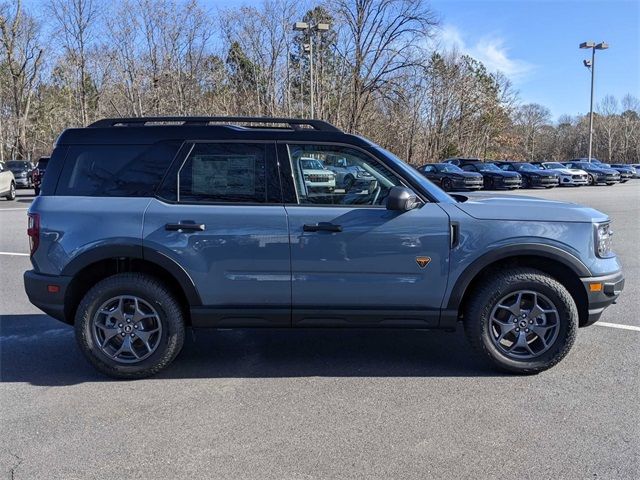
42	351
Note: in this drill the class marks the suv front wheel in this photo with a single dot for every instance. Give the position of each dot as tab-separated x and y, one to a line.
129	326
522	320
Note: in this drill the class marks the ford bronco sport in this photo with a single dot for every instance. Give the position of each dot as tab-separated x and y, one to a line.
146	226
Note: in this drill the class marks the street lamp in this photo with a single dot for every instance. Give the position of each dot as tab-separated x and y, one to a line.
591	65
308	48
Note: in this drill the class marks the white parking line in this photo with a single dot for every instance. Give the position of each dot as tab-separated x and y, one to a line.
15	254
618	325
12	209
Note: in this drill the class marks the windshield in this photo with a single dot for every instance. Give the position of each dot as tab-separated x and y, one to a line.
448	168
408	171
525	167
311	164
488	167
554	165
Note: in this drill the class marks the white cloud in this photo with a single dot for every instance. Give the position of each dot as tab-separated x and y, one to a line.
489	49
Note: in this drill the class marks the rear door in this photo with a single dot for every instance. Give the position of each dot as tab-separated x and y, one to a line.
219	216
355	263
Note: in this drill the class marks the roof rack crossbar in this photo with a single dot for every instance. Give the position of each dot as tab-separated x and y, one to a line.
294	123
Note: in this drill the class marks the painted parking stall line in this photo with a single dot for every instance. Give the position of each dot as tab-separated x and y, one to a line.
13	209
618	325
15	254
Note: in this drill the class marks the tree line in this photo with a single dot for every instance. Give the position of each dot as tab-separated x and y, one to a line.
377	71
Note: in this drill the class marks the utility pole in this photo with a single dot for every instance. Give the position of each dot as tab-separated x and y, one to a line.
311	29
591	65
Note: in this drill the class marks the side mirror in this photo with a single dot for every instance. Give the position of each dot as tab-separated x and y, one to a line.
402	199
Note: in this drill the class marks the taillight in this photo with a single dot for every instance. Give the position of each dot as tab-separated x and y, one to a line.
33	231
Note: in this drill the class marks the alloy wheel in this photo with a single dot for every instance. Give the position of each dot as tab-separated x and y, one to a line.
127	329
524	324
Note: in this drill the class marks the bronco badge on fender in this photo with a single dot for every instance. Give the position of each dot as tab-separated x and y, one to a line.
423	261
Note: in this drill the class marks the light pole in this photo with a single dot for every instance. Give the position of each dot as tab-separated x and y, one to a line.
307	27
591	65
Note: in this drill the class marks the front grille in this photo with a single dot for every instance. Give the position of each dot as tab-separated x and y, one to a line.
511	180
319	178
579	177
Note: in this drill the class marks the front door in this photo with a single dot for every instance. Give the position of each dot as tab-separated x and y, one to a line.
220	218
355	263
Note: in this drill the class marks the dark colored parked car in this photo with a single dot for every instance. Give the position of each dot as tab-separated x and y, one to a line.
596	171
145	227
22	171
38	173
627	172
532	176
451	177
494	178
461	161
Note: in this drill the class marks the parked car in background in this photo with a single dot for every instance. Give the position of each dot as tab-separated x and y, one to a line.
349	176
22	171
636	167
461	161
568	176
7	183
596	172
38	173
627	172
532	176
494	178
316	177
451	177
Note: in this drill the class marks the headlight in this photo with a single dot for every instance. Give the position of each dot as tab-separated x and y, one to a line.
604	236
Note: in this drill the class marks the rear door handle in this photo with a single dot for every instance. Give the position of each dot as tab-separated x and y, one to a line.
321	227
185	226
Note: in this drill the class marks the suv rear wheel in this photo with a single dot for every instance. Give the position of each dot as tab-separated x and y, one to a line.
129	326
522	320
12	192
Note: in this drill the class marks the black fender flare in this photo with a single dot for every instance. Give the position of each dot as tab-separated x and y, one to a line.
512	251
150	255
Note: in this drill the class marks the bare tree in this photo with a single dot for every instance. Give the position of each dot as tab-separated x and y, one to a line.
22	56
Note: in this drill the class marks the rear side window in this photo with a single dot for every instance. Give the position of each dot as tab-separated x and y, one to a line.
115	170
221	173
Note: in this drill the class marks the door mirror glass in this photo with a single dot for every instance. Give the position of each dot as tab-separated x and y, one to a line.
402	199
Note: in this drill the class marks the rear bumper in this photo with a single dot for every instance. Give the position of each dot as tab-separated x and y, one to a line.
601	297
52	303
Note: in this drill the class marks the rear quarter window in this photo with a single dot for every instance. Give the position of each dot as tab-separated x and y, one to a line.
115	170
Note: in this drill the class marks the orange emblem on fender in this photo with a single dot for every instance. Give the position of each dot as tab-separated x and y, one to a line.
423	261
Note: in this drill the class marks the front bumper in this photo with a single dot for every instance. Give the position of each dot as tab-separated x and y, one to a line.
601	292
508	183
574	180
544	181
474	184
22	181
39	292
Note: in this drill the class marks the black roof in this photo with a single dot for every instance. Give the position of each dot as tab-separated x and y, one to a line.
147	130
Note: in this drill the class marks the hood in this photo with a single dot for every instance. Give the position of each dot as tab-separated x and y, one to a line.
502	173
314	171
571	171
540	173
521	208
465	174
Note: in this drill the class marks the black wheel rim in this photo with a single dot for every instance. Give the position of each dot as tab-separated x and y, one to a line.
524	324
127	329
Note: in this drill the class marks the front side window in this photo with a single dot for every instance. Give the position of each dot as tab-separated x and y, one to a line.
221	172
352	177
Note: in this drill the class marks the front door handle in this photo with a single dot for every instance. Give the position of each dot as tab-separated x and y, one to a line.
321	227
185	226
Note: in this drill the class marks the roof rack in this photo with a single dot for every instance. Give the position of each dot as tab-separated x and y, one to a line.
293	123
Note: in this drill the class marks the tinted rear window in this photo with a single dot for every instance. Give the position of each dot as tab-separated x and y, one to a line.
115	170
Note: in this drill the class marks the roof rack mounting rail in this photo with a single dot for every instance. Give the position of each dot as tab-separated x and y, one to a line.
294	123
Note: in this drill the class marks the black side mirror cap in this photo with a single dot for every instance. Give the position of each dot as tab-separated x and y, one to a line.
402	199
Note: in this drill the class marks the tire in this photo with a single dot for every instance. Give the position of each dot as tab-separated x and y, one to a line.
12	192
153	298
591	180
446	184
559	328
488	183
349	182
525	183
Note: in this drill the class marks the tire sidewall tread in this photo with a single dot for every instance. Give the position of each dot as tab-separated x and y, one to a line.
156	294
476	318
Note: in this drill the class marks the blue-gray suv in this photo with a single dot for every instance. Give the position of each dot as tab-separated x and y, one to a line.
147	226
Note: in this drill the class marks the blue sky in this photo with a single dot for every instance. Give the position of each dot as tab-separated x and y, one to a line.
535	43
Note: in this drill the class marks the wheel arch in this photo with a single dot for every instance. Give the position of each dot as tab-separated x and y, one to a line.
97	264
561	265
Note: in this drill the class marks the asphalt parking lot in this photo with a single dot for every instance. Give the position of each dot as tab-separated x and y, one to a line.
322	404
